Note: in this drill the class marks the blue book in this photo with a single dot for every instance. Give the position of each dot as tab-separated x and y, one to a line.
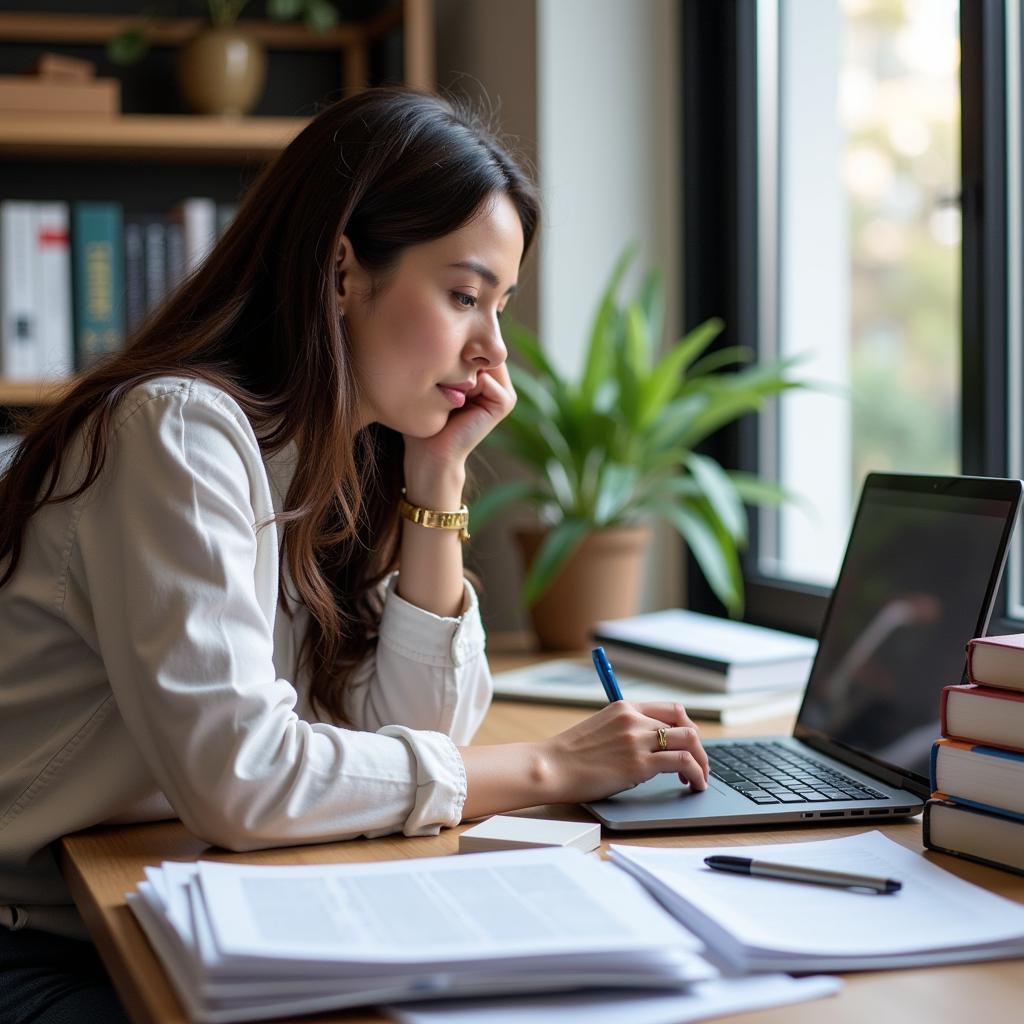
97	252
986	778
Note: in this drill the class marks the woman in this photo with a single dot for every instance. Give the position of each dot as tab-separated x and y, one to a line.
200	613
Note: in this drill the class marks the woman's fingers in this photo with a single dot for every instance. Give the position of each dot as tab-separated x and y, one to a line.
684	763
682	739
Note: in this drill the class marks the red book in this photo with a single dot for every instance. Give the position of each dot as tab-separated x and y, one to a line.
997	661
983	715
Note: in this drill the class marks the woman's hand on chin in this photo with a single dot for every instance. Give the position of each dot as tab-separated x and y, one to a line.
486	406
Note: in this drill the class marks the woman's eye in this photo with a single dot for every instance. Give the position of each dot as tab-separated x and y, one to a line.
464	300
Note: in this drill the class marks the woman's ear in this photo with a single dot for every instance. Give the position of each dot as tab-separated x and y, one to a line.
346	269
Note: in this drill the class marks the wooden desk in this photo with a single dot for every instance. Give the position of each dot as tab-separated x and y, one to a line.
101	865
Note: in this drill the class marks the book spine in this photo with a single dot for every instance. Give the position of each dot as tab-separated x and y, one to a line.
134	273
97	261
19	321
56	348
976	692
198	217
977	805
177	262
155	256
929	842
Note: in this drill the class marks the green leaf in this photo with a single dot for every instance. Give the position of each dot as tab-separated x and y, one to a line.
127	47
728	356
721	494
714	552
283	10
665	379
522	340
615	488
531	390
637	346
652	301
600	349
321	16
555	551
487	505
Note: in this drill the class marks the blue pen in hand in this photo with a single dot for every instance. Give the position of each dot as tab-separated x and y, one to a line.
606	675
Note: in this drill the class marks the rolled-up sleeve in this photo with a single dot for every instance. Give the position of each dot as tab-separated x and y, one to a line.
179	580
429	672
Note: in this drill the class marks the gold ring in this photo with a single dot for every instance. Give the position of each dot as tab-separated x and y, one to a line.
663	739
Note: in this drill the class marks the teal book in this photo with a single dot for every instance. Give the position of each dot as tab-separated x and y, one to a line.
97	252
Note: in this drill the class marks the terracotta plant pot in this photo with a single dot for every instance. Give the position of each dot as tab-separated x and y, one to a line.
222	71
600	581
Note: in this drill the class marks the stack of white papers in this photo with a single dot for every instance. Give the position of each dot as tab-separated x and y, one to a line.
765	924
247	942
700	1001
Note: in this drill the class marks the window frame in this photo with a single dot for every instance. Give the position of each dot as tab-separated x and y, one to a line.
722	245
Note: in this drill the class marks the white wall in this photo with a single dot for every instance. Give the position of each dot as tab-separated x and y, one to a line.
600	81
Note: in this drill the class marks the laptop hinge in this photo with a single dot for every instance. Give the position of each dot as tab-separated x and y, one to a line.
864	764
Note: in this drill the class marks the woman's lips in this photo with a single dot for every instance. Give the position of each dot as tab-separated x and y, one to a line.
456	397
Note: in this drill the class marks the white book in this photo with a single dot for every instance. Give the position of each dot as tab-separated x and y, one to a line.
19	319
198	218
566	681
707	652
53	289
755	923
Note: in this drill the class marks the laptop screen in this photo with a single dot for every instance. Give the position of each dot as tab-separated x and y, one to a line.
917	582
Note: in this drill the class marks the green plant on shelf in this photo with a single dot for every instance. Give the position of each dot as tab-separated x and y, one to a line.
319	16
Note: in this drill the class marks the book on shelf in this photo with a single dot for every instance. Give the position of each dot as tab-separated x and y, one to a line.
997	661
134	272
19	316
52	255
768	924
983	715
988	778
245	942
993	839
703	651
566	681
197	218
97	246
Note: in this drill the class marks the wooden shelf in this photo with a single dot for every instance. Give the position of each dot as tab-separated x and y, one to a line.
149	137
98	29
30	392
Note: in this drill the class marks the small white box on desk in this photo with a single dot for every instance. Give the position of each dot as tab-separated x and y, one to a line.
507	832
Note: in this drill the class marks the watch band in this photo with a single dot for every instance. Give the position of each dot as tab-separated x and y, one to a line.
435	520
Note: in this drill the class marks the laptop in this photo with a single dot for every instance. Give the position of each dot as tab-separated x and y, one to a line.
918	580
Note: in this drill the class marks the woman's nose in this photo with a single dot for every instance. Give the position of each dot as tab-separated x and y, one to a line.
488	347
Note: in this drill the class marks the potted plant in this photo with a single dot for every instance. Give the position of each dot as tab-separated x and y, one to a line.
222	69
611	451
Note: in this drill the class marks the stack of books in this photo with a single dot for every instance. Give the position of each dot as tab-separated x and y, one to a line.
977	768
706	652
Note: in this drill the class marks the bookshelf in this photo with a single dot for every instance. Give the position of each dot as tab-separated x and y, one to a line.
132	142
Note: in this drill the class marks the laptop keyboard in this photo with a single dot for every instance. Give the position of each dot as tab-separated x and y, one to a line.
772	773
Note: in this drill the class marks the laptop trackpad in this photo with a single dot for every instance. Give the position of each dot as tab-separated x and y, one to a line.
667	787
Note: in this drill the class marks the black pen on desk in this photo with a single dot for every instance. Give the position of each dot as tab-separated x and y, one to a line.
606	675
795	873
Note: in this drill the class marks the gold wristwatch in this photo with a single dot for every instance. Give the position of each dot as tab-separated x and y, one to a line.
435	520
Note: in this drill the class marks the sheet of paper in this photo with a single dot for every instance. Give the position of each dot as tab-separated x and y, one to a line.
934	910
525	903
703	1000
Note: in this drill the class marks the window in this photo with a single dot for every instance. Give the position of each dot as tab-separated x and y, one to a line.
853	174
859	181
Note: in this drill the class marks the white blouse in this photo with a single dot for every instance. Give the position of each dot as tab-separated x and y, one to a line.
147	670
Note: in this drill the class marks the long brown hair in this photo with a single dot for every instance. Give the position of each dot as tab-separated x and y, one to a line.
388	168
